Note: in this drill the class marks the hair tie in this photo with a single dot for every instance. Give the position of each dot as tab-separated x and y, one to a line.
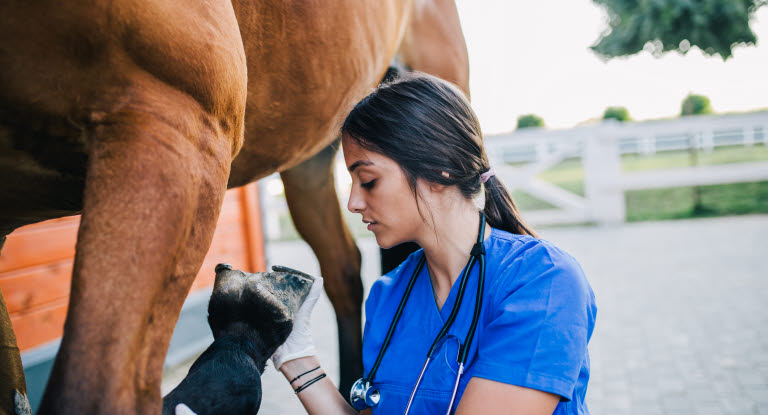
487	175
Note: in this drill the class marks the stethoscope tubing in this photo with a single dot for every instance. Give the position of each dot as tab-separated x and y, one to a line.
475	317
396	318
416	386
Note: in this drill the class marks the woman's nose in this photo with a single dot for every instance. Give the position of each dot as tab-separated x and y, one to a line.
355	203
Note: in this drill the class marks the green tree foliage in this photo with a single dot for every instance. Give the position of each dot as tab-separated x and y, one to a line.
715	26
695	104
529	120
616	113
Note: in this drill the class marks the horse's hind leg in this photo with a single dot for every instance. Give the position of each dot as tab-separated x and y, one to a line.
11	370
314	206
156	179
434	43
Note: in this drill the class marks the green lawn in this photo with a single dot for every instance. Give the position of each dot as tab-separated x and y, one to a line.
656	204
716	200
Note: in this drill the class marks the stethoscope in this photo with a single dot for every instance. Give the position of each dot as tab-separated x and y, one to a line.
365	395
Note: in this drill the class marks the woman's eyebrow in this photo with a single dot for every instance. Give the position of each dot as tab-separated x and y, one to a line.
358	164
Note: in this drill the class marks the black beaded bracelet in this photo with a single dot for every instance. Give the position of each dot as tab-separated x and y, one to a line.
309	383
308	371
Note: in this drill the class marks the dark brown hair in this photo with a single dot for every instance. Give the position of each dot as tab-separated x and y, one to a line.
427	127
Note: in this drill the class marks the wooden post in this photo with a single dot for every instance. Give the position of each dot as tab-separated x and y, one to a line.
252	229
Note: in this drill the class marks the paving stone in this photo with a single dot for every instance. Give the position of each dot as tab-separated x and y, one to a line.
651	408
757	394
699	409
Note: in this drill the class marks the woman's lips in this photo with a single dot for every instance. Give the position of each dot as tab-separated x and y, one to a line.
370	226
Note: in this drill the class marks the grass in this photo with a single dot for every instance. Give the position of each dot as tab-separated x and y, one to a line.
716	200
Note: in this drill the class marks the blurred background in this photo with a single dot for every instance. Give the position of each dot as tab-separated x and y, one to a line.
632	134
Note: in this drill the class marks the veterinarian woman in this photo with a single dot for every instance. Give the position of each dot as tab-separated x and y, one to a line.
420	173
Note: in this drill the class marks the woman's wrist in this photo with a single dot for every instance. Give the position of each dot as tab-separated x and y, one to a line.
316	391
293	368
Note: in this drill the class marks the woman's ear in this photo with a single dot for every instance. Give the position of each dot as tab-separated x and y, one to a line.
436	187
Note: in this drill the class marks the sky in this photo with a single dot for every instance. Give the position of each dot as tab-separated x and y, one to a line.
533	56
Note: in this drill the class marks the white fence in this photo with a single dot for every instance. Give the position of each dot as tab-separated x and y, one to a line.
519	157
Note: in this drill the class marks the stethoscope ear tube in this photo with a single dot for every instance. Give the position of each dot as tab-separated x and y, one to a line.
396	318
464	353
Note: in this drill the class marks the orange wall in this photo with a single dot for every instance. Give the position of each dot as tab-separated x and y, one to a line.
36	264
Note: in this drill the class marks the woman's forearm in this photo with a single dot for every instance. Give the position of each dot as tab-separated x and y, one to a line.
321	397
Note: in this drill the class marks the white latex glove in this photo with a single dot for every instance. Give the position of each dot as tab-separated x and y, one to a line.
182	409
299	342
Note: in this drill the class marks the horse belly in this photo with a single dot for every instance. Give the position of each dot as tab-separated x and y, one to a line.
307	66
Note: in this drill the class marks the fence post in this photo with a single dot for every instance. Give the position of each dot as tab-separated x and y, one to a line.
649	144
764	134
707	140
270	209
602	170
749	136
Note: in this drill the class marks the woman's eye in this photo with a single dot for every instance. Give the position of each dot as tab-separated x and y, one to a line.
368	185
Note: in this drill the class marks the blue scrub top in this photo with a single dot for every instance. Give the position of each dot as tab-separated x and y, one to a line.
536	320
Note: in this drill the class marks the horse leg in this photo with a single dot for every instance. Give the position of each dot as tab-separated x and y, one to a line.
156	180
11	370
434	43
314	207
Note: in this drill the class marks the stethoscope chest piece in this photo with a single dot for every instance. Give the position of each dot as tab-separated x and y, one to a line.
364	395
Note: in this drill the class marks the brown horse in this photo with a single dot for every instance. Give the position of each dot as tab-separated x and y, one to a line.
140	114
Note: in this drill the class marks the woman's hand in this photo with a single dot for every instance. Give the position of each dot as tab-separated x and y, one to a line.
299	342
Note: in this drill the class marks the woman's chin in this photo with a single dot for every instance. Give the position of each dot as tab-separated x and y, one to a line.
384	243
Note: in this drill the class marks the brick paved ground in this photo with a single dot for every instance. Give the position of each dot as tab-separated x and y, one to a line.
682	324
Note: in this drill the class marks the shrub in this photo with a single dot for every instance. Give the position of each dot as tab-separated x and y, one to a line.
695	104
616	113
529	120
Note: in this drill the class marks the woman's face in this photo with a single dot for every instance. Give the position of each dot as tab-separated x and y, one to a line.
380	193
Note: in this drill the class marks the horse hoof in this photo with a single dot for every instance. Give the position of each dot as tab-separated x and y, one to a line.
21	403
264	300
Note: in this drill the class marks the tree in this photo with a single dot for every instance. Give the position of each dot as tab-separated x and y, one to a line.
617	113
529	120
695	104
715	26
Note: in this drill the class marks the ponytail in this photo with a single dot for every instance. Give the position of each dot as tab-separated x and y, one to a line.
500	210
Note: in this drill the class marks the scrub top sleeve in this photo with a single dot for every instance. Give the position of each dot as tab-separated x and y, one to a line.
538	324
